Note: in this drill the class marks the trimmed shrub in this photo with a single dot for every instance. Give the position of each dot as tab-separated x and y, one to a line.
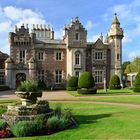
87	91
72	83
72	88
136	87
42	85
114	82
24	128
86	80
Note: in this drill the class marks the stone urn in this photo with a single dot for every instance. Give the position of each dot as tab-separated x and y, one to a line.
28	98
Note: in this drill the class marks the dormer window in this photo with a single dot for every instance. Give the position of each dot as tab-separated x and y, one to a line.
77	36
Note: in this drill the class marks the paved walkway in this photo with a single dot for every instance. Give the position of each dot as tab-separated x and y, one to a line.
62	96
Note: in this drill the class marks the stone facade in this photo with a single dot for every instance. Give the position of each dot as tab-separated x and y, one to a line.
36	55
3	57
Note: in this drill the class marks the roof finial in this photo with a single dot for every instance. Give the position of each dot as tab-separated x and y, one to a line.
115	14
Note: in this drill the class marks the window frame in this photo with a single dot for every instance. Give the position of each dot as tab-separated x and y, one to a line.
77	36
2	78
41	75
58	55
99	55
58	76
98	76
40	55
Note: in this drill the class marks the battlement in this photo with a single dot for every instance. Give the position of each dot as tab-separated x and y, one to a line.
43	32
22	30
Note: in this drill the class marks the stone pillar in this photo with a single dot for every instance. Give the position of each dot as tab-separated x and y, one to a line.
32	70
9	73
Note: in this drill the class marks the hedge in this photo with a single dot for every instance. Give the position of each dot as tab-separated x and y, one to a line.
87	91
86	80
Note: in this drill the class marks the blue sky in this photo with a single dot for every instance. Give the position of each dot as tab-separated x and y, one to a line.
95	15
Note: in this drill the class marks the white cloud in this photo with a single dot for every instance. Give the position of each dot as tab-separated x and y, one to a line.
132	55
5	26
89	25
20	16
58	34
93	38
16	16
127	39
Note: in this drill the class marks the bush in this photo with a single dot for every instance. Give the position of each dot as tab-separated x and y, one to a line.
42	85
136	87
3	124
73	81
5	133
3	109
114	82
24	128
72	88
86	80
87	91
40	123
58	111
55	124
27	86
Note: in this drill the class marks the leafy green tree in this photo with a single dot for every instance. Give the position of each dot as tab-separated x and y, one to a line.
134	66
136	87
128	69
114	82
124	66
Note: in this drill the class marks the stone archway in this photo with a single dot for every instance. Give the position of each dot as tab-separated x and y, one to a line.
19	78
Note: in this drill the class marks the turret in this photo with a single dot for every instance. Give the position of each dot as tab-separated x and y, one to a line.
114	37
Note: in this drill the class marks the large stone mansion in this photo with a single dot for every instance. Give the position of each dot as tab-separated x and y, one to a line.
37	55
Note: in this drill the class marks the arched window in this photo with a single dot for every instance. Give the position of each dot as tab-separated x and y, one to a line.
77	58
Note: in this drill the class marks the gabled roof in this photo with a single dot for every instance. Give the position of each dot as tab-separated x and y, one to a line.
3	55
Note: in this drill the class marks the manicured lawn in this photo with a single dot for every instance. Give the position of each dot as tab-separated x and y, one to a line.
101	92
98	122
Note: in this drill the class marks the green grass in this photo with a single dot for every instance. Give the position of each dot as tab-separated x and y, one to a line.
101	92
98	122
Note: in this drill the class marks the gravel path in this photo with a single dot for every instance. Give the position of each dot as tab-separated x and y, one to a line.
62	96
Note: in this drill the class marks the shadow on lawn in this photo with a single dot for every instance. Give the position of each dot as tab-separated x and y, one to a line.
87	119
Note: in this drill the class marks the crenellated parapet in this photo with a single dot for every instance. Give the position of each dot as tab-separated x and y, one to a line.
20	36
43	32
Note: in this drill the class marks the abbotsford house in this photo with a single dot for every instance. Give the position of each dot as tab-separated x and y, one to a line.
36	55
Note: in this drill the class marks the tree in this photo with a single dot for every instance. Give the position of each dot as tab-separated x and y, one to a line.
114	82
134	66
128	69
124	66
137	83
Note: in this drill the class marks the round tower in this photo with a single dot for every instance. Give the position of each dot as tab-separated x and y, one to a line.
115	36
